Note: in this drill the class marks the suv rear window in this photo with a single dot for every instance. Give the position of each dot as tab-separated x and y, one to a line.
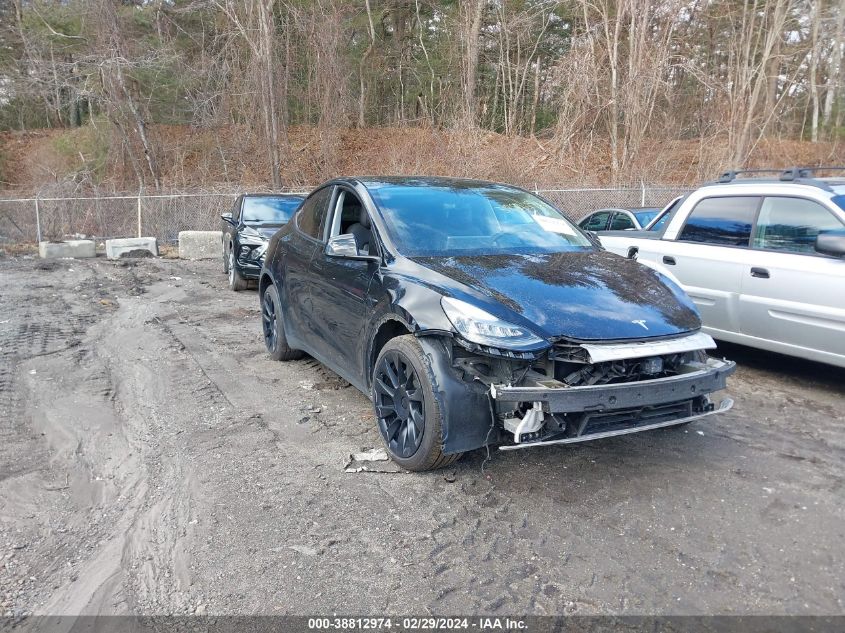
724	221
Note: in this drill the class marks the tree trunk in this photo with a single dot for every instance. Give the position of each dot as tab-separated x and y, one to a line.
472	33
835	73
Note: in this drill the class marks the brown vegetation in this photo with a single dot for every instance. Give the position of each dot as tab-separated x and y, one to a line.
225	157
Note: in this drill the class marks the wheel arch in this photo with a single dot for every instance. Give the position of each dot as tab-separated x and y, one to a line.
390	327
264	282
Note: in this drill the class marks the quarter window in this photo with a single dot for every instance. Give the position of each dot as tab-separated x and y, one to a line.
724	221
311	217
792	224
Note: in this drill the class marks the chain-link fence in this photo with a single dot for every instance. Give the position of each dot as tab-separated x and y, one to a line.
576	203
163	216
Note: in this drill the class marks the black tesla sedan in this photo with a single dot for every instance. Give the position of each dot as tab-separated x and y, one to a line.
475	313
246	230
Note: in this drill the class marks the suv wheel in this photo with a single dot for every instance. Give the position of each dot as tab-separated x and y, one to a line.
273	327
409	418
236	281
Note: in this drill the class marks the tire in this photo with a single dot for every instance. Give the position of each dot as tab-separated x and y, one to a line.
236	281
403	399
225	259
273	327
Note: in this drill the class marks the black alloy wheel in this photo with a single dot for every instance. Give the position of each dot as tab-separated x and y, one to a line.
268	322
408	413
273	327
399	404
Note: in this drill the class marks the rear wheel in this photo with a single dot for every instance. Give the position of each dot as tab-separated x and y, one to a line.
273	327
236	281
408	415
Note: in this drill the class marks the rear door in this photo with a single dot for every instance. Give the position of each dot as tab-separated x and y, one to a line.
791	294
709	255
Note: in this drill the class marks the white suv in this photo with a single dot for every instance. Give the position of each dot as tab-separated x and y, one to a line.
763	259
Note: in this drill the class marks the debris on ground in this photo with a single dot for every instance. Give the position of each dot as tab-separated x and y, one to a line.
372	460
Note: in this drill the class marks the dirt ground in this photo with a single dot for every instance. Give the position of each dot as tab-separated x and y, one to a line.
154	460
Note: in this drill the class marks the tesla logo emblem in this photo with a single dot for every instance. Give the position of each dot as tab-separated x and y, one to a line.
640	322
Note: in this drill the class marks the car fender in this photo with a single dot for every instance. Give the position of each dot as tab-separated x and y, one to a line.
465	406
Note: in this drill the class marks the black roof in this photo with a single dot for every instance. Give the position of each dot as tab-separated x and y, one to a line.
423	181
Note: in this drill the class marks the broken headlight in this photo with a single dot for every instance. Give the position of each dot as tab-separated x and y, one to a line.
478	326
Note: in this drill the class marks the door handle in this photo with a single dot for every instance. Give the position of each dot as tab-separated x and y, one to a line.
761	273
669	260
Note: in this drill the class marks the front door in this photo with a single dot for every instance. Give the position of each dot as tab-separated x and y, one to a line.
307	239
791	294
339	290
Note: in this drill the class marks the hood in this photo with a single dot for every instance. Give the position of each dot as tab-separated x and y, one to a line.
582	295
265	231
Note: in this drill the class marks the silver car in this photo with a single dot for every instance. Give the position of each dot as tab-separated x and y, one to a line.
763	260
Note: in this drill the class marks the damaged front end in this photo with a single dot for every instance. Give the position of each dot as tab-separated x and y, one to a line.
574	392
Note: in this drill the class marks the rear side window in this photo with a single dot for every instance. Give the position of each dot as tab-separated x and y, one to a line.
792	224
597	221
724	221
311	217
620	222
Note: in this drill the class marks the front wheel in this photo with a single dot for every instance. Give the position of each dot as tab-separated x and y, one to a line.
408	415
273	327
236	280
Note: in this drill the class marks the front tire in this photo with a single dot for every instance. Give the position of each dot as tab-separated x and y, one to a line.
408	415
236	280
273	327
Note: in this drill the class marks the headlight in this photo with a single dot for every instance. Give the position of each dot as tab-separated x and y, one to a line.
478	326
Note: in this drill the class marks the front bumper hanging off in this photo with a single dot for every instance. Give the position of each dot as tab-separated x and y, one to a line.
598	411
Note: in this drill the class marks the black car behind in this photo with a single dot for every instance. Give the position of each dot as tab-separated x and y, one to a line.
246	230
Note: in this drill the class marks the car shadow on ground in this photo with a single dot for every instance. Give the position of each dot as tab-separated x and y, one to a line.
790	368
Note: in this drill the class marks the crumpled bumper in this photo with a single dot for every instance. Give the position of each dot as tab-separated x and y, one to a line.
623	395
597	411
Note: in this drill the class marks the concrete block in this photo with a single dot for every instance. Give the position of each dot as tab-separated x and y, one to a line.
200	245
77	249
115	249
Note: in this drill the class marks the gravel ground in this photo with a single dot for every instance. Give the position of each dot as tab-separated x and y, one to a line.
153	460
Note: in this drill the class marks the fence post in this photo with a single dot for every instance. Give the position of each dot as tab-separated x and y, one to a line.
642	197
139	213
37	219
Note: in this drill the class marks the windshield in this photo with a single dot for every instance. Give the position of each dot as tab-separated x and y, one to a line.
473	220
268	210
646	215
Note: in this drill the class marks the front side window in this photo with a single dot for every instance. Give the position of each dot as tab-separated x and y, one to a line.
621	221
311	217
723	221
792	224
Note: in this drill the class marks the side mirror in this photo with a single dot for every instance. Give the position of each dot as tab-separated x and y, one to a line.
346	246
832	243
227	217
